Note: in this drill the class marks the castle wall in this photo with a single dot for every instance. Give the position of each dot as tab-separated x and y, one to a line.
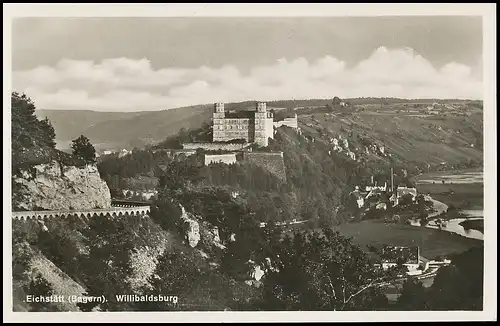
176	152
220	158
215	146
272	162
230	129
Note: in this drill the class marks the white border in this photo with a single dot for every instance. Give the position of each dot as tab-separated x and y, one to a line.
487	11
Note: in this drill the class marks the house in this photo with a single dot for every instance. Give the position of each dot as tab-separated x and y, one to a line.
409	257
291	122
124	152
400	192
359	197
374	192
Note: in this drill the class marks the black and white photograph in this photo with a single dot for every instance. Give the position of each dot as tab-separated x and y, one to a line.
233	161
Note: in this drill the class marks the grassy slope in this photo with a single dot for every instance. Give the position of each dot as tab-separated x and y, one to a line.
416	139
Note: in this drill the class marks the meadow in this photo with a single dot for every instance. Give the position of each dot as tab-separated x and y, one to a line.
462	189
432	242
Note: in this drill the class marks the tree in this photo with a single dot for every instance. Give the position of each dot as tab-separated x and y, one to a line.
27	130
175	273
83	149
107	267
413	296
321	271
460	285
406	200
48	132
39	287
336	101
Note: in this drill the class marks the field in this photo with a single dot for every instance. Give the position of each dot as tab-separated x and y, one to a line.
432	242
454	191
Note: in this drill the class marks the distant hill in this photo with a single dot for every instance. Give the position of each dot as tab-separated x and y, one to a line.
70	124
115	130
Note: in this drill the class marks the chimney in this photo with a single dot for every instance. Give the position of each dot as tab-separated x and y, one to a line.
372	180
392	179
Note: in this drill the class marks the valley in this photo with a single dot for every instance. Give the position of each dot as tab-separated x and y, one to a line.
220	222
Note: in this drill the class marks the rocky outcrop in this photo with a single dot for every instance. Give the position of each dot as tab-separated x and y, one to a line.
192	232
197	230
143	262
192	228
53	186
210	236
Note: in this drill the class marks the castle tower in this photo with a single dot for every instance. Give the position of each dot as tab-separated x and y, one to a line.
264	125
218	122
219	108
261	107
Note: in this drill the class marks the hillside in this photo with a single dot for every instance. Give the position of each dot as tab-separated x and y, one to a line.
110	130
405	137
202	242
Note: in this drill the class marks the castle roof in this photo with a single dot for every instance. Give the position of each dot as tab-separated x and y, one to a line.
243	114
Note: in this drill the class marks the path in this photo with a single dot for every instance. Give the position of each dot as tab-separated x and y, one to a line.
440	207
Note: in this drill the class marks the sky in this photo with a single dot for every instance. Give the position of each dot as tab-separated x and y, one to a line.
144	64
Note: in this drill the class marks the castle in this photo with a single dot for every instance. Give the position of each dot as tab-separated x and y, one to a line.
250	126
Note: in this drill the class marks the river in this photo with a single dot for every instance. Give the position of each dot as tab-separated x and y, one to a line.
453	225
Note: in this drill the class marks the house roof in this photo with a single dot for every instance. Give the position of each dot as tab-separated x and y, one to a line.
404	191
357	194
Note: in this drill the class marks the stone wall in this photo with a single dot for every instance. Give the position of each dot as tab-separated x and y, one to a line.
272	162
215	146
233	128
176	152
220	158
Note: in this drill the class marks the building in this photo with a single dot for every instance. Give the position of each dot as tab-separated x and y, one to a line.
374	186
124	152
291	122
358	197
250	126
402	191
409	257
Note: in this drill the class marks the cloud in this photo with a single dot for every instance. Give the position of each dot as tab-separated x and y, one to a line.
123	84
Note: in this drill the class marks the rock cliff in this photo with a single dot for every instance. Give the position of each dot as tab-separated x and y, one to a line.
54	186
